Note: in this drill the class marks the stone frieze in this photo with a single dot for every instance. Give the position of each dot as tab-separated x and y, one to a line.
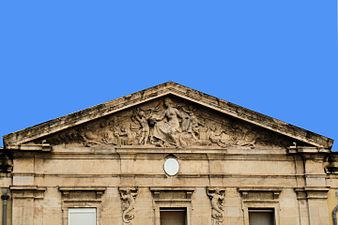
168	122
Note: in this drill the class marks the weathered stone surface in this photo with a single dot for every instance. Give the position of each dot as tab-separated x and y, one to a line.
167	89
110	157
168	122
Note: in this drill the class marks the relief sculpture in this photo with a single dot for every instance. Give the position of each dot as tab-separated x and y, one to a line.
145	129
166	129
167	122
217	202
128	196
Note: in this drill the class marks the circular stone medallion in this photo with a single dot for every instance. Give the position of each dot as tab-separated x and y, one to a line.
171	166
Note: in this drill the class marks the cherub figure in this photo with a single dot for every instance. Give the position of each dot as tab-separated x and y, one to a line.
145	130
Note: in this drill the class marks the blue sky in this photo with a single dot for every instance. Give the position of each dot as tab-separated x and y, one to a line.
276	57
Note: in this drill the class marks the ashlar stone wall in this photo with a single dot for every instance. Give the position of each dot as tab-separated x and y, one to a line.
46	184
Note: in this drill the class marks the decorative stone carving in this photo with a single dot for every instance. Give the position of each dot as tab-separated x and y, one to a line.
128	196
144	123
24	192
82	194
172	193
216	196
168	122
259	193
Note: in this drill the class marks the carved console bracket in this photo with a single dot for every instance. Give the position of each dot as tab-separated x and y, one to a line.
312	193
128	197
259	193
216	196
82	194
33	192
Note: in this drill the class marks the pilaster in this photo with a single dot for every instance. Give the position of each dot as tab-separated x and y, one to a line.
25	204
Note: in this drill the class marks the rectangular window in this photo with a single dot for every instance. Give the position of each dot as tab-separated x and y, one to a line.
261	216
173	216
82	216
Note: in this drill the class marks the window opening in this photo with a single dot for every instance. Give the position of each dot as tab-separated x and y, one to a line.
261	216
173	216
82	216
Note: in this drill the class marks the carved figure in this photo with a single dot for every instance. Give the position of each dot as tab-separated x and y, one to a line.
217	201
128	196
167	126
169	122
91	138
219	137
124	135
186	123
190	123
94	135
145	130
246	136
194	126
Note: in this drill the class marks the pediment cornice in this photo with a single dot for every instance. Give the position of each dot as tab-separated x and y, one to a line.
167	89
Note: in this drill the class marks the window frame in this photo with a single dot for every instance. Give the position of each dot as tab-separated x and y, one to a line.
261	206
81	197
169	205
73	205
173	209
180	202
263	210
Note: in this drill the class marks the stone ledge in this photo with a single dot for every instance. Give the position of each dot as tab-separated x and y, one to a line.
28	191
178	193
30	147
263	192
72	193
312	193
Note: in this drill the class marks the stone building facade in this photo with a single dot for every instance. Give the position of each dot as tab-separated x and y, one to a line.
167	155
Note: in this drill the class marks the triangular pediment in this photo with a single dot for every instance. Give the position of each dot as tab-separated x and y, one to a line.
168	115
